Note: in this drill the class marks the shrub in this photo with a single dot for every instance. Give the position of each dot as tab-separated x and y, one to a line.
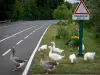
62	33
62	22
62	12
76	40
66	32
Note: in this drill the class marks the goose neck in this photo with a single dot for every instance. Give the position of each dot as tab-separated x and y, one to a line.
11	57
50	50
54	45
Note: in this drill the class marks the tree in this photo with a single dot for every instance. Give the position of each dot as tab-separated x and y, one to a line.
17	11
69	5
62	12
27	9
94	8
46	7
5	7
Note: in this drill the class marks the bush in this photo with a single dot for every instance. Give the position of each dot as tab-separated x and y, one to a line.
62	33
62	12
66	32
76	40
62	22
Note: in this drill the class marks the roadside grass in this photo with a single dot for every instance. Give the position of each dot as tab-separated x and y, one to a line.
81	66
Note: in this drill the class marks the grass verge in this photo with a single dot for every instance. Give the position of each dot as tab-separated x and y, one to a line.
81	66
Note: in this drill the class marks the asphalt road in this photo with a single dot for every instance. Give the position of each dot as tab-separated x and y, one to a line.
24	36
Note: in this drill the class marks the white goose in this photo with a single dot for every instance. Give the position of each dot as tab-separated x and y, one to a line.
83	47
19	62
89	56
55	56
72	58
56	50
43	47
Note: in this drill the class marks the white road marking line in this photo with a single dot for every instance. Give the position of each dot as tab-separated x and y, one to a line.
30	33
26	37
4	26
33	31
33	54
16	33
19	42
6	52
39	27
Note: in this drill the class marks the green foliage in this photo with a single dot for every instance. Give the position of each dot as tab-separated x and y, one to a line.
28	9
94	8
62	33
63	11
69	34
18	12
81	66
62	22
69	5
46	7
66	32
75	40
6	7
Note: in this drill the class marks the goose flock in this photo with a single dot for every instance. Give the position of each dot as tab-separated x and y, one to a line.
56	55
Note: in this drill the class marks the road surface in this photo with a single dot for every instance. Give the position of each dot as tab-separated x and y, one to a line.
24	36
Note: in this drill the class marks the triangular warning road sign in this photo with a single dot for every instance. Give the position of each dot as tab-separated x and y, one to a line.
81	8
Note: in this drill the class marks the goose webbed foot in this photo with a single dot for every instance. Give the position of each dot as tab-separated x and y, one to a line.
15	69
46	72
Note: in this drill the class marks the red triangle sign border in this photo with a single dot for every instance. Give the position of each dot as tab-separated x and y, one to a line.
75	12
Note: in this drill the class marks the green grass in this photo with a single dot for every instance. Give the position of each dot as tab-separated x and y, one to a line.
81	66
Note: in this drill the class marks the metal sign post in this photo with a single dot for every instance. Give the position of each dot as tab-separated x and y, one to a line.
81	13
80	53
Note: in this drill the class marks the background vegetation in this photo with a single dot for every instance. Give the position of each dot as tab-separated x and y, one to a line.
27	9
94	23
15	10
65	67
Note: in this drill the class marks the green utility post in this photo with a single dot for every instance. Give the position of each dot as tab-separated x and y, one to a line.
80	53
